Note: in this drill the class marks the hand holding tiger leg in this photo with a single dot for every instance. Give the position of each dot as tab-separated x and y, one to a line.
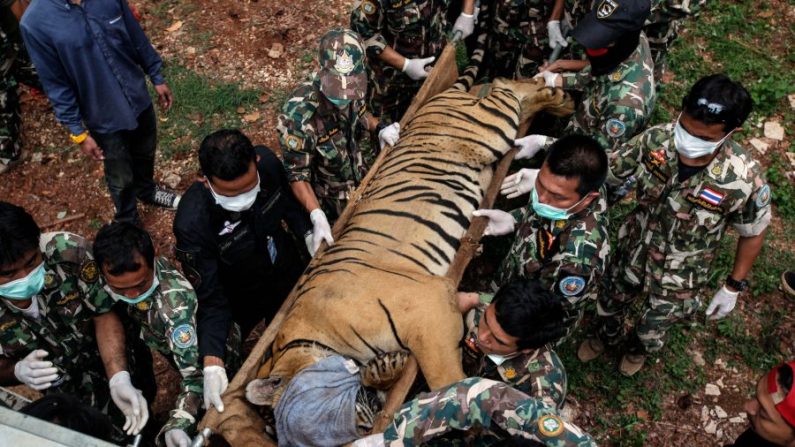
519	183
389	135
321	230
500	222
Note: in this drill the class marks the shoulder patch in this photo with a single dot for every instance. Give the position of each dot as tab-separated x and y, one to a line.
550	426
368	7
716	170
184	336
89	272
615	127
293	142
763	196
616	76
571	285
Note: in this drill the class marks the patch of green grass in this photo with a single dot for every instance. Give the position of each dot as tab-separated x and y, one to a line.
782	189
732	340
200	107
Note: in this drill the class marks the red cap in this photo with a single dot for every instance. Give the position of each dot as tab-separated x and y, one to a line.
785	404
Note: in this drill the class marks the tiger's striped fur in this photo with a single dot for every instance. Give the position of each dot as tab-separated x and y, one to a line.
382	286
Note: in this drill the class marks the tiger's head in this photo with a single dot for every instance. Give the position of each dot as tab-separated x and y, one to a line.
535	96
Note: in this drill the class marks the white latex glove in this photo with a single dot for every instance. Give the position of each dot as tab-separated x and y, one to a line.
723	301
529	146
519	183
550	78
34	372
465	24
177	438
376	440
389	135
215	383
130	401
321	231
309	245
555	35
415	68
500	222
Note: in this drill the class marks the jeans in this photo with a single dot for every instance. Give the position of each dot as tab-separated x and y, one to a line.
130	164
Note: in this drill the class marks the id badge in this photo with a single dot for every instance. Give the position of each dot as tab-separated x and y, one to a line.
272	250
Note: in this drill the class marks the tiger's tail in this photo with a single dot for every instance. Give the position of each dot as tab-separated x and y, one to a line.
467	79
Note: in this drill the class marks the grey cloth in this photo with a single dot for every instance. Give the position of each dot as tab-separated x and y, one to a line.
318	406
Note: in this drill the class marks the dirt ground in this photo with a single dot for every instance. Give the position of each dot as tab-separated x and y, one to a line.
266	45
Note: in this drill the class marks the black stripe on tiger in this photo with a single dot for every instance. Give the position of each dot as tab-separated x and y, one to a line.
427	254
411	259
450	240
392	325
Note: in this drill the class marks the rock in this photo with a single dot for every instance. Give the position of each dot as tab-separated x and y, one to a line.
711	427
251	117
720	412
719	434
791	101
276	51
704	414
759	145
698	359
791	157
774	131
720	383
737	420
61	214
37	157
174	26
191	50
719	363
712	390
172	180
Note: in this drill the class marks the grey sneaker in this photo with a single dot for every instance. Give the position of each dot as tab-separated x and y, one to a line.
165	198
631	364
590	349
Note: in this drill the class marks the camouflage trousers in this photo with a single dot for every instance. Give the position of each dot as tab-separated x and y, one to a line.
514	60
391	92
10	122
332	207
662	28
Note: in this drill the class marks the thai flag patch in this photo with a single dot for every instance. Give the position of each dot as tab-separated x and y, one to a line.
711	196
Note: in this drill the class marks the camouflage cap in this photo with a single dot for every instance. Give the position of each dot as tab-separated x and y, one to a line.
609	20
342	65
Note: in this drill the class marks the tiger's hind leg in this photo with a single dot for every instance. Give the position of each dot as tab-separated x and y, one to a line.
384	370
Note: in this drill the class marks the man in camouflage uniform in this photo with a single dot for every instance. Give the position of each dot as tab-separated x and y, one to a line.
508	337
692	182
321	128
514	38
402	38
163	304
51	296
493	406
618	93
663	26
15	67
566	250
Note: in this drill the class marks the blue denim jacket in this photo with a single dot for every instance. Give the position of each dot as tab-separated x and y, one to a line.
92	60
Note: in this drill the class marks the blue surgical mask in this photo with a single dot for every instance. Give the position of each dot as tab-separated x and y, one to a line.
693	147
24	288
340	103
551	212
139	298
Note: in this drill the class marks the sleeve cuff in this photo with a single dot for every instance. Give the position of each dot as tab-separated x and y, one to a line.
485	298
76	129
158	79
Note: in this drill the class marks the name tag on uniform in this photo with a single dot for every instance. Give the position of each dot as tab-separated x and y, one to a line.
272	250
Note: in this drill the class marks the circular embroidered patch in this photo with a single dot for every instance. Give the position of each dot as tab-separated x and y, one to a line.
550	426
293	142
510	373
183	336
50	280
615	127
763	197
572	285
89	272
368	7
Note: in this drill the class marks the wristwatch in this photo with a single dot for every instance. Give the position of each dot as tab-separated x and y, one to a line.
736	285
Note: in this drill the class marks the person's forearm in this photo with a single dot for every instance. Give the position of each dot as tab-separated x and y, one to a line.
468	6
748	249
111	343
211	360
305	195
7	377
372	122
557	11
392	57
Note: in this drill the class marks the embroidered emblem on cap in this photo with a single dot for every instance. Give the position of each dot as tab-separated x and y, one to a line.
763	197
550	426
615	127
183	336
571	285
344	63
606	9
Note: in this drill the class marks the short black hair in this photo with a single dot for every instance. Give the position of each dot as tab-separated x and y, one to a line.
67	411
226	154
717	99
529	312
19	233
118	243
579	156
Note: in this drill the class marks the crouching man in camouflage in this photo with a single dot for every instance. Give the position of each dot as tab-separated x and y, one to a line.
56	324
693	180
489	405
163	303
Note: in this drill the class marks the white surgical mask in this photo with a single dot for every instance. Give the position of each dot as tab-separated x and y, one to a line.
238	203
497	359
693	147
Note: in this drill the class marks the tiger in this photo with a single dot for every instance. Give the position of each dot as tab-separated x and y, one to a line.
381	287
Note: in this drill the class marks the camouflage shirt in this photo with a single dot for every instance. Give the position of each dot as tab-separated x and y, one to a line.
476	402
320	142
567	256
615	106
413	28
677	225
72	295
538	374
168	324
